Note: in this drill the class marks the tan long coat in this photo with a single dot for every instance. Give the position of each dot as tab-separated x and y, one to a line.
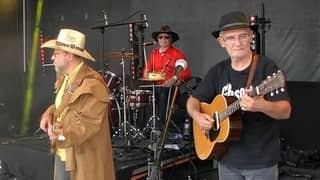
86	128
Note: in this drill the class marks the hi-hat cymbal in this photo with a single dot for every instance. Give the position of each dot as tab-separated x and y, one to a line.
154	76
122	55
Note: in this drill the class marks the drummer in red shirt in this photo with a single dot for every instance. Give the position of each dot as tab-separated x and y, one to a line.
170	61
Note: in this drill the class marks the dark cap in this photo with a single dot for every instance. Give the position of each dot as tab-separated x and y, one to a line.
232	20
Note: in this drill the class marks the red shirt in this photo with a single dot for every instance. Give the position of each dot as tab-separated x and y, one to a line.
165	62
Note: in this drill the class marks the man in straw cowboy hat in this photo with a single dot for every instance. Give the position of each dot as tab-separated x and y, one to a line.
168	60
77	122
256	154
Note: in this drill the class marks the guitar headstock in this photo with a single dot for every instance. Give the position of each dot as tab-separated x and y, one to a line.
274	82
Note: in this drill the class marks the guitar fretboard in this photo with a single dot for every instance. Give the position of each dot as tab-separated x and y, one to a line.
229	110
268	85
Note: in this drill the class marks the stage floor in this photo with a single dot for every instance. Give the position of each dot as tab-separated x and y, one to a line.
28	158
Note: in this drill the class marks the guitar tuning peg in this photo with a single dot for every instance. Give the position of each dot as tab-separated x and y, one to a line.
271	94
268	77
277	91
282	89
274	74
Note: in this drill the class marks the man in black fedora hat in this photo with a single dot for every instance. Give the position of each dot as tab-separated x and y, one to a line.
170	62
256	153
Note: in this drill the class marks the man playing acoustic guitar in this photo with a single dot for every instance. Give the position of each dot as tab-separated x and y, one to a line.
256	152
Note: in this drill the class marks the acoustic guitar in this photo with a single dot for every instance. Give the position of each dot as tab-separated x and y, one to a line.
227	126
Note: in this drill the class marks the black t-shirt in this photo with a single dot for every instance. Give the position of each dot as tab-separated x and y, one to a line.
259	144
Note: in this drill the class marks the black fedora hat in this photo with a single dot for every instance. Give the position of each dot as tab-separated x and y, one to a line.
232	20
167	30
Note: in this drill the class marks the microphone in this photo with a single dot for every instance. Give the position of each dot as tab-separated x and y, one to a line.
180	65
145	20
150	43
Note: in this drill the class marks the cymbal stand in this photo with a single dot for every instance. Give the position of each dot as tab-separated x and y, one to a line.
154	133
128	131
125	124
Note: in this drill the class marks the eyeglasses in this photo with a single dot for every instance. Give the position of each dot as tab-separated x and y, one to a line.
165	37
56	53
232	39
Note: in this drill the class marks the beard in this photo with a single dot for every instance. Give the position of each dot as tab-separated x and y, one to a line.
61	68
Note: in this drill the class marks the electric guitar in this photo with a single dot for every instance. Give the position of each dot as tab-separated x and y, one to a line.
227	126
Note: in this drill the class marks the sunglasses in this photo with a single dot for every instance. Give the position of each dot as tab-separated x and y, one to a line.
161	37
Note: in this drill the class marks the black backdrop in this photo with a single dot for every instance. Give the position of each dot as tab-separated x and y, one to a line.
292	41
11	66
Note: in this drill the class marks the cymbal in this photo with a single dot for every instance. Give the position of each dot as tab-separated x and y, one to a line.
147	79
151	85
154	76
122	55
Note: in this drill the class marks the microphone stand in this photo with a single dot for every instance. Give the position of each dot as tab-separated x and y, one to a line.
154	167
106	25
263	24
117	24
105	66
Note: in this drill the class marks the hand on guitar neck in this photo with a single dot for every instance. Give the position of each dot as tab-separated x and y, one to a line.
276	110
249	103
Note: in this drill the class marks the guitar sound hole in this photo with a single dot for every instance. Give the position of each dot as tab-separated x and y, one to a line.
213	134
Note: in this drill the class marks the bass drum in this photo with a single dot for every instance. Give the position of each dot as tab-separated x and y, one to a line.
114	114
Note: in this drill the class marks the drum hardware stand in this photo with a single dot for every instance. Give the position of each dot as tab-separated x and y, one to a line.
128	131
151	124
154	168
138	134
125	124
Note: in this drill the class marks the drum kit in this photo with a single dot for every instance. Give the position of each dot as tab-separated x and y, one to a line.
129	102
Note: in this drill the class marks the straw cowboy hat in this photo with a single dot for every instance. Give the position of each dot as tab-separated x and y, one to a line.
232	20
167	30
71	41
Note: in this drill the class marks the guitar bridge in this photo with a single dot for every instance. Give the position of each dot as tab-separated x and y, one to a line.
216	123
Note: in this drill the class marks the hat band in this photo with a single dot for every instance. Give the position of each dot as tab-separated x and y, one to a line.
234	24
73	46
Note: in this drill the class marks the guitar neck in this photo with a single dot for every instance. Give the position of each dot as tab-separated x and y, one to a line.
233	107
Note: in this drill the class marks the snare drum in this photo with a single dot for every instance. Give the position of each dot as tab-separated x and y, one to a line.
112	81
139	98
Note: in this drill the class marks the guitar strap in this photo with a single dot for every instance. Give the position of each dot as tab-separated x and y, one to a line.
254	62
